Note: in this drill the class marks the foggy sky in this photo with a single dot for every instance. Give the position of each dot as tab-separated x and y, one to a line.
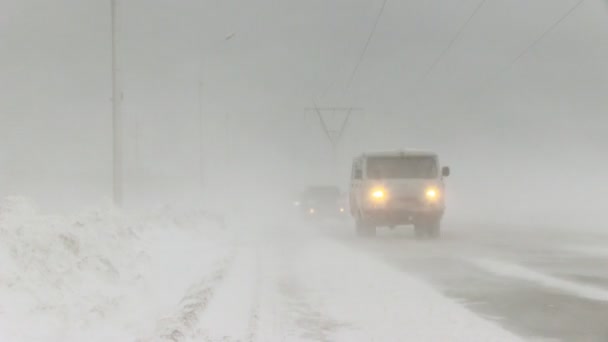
528	144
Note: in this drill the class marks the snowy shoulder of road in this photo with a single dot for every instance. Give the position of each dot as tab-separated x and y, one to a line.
98	276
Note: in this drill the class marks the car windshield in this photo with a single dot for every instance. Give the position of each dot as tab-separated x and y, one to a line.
421	167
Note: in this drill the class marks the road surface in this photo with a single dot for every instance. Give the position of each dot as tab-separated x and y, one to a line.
297	282
548	285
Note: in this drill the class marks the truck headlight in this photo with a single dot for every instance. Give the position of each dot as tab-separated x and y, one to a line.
432	194
378	194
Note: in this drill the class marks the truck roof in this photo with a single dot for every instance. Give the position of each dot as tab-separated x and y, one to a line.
397	153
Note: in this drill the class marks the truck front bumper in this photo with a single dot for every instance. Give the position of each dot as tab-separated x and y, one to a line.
400	216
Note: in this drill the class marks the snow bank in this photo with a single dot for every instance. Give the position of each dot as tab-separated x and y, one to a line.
100	275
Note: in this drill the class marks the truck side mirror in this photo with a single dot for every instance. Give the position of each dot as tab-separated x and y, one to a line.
445	171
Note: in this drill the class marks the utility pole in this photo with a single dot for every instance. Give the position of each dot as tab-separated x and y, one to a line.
201	135
117	185
334	135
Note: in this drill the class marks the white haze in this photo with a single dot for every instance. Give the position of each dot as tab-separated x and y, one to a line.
526	147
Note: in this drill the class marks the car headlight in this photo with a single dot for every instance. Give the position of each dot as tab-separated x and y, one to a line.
432	194
311	211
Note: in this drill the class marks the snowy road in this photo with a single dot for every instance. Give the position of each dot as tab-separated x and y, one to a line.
306	283
300	284
177	277
547	286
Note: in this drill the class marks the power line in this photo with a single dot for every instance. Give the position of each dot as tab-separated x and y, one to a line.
533	44
542	36
486	85
445	51
369	39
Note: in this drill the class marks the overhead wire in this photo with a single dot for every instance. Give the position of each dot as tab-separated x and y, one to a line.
447	49
544	34
418	85
353	73
532	45
486	85
366	46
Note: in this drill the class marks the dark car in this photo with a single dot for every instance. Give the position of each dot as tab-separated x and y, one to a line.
322	202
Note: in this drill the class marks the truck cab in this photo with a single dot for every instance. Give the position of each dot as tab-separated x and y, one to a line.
398	188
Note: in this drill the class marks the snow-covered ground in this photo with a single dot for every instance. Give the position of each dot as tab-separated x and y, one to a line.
179	276
98	276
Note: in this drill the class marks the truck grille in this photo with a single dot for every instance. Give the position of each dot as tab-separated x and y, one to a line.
408	201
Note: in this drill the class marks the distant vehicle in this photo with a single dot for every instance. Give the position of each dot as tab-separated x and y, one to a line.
322	202
398	188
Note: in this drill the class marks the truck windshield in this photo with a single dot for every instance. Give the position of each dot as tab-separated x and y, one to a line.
421	167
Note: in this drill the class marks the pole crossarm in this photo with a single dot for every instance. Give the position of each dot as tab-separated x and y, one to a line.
333	135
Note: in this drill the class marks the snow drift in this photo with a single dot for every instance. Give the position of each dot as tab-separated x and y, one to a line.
99	275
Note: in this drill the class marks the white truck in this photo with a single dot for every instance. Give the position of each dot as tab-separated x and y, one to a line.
398	188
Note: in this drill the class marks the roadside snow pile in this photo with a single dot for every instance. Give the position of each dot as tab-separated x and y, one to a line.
98	276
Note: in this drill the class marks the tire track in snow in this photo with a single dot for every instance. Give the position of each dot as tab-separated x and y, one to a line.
287	310
308	315
254	316
270	318
254	321
234	313
182	323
